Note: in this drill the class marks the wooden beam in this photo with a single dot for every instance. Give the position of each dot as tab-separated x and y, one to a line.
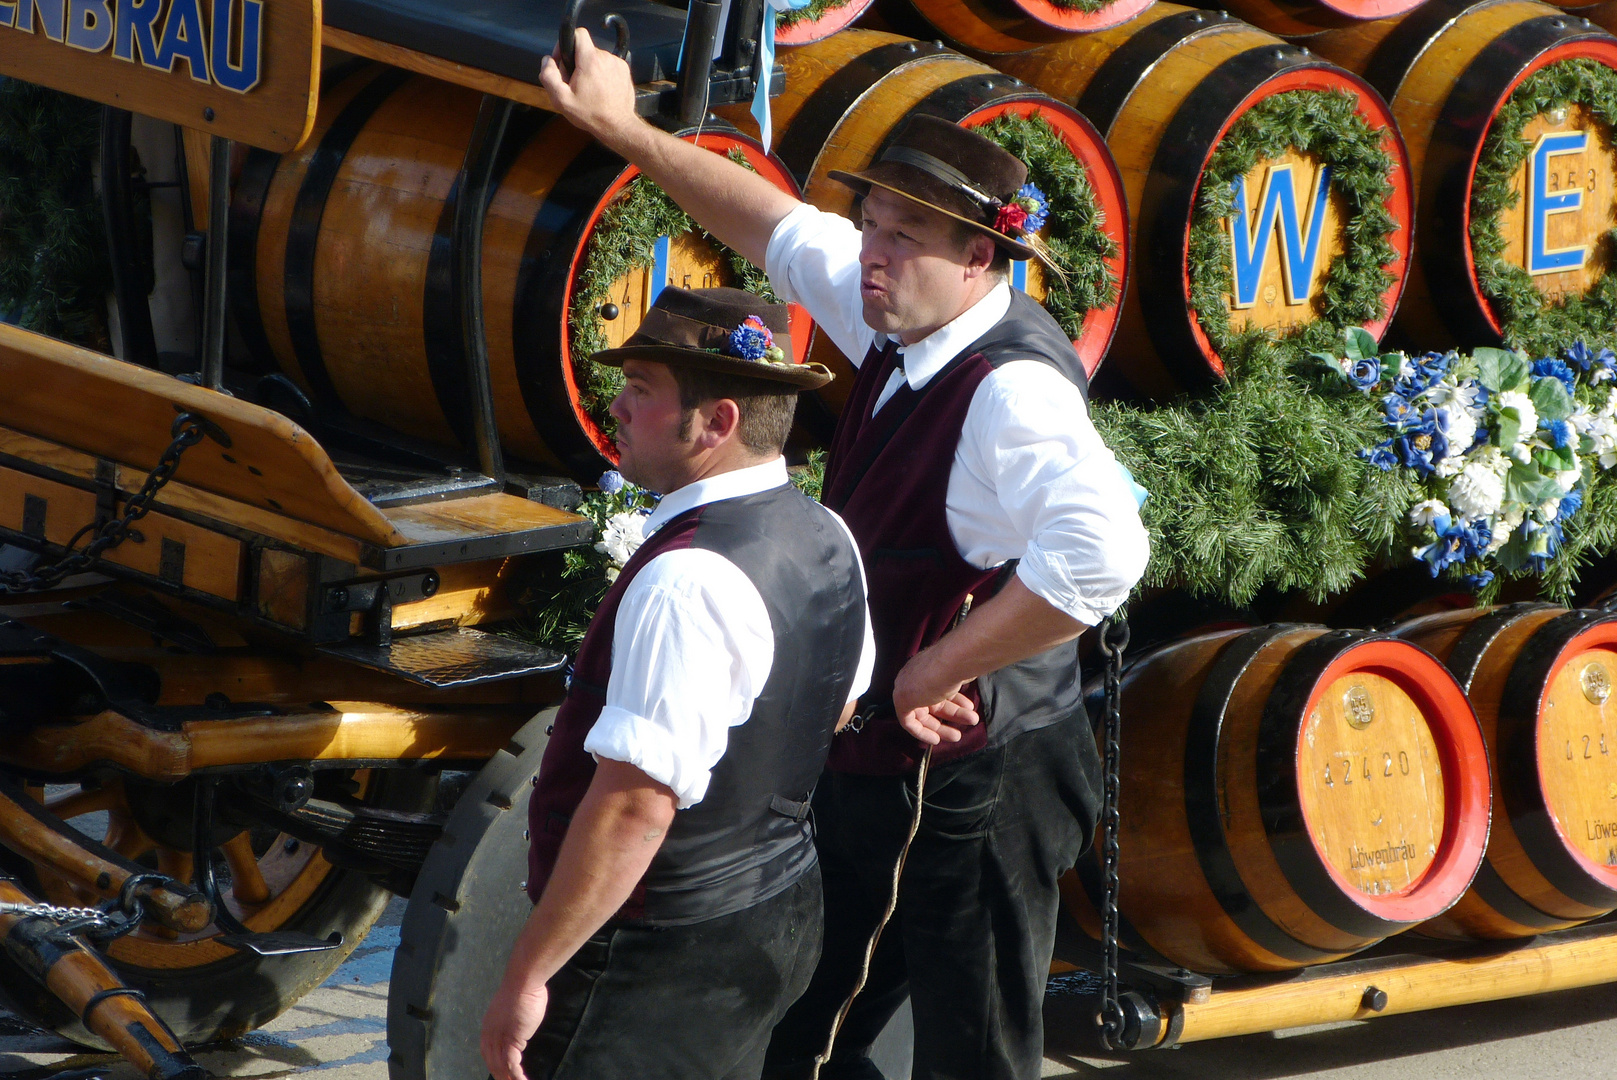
486	81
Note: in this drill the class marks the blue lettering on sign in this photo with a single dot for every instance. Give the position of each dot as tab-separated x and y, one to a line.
89	24
184	39
659	269
1541	203
1299	247
233	61
244	76
134	31
1019	274
50	15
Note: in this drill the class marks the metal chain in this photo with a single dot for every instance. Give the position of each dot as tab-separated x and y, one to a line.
103	924
187	432
1114	639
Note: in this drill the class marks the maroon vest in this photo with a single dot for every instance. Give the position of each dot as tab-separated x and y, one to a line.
748	838
887	474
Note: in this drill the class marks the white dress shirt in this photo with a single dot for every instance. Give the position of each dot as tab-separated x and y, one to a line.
1031	479
692	648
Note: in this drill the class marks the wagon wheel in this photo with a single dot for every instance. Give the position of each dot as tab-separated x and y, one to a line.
202	988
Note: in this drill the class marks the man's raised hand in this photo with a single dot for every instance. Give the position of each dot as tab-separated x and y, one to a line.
598	96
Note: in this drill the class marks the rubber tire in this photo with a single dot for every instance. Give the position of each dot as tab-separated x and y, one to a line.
469	903
229	997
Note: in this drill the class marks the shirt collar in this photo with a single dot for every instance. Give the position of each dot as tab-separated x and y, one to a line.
726	485
928	356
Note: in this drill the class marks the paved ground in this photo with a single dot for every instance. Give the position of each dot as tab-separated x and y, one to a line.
339	1033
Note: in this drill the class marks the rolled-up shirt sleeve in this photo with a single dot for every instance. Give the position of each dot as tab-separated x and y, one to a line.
813	260
692	649
1033	480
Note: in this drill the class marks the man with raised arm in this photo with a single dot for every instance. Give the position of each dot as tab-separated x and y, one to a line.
967	467
677	892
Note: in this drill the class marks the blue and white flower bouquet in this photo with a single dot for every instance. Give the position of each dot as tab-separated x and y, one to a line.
1503	446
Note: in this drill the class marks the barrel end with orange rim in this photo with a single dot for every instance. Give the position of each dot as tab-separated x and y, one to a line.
1300	18
993	27
1539	677
1391	759
817	25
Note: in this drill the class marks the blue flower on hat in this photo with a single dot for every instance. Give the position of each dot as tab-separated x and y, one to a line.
1031	199
752	340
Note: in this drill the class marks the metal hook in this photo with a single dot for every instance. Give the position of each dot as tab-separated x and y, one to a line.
569	24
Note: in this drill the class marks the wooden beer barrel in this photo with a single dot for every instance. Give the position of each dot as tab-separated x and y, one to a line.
342	269
1540	679
846	95
1289	795
1166	90
1297	18
1005	26
1448	69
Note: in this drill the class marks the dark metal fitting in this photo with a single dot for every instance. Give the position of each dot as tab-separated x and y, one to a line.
1374	999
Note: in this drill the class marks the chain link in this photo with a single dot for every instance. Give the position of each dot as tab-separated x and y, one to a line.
187	432
1114	639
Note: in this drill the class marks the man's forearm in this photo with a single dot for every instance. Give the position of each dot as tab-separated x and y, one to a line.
617	830
1015	624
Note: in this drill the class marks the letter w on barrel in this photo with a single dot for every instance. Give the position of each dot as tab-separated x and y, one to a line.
1299	245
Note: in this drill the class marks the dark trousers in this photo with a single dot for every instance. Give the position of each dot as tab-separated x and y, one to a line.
971	940
680	1002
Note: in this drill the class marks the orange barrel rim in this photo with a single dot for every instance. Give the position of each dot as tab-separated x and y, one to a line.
1524	772
1009	26
555	291
829	22
1296	18
1467	798
1448	167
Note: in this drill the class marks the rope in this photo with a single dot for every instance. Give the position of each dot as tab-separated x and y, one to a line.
892	905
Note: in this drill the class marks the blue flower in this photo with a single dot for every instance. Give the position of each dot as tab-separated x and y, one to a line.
1561	432
1550	367
1365	374
1423	373
1031	199
1422	443
1397	411
748	343
1381	457
611	482
1456	542
1478	582
1581	355
1571	503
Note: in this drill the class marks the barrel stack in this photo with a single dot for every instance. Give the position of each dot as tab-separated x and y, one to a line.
343	275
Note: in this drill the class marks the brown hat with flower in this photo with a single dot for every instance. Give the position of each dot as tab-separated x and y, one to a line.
723	330
962	174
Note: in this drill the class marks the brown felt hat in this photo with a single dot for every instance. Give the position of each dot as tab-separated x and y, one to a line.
723	330
951	169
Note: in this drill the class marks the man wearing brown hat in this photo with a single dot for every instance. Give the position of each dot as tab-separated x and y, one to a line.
967	467
677	892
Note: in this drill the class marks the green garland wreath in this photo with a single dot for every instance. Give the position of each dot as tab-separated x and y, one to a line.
1531	321
54	273
808	14
1074	231
623	240
1321	122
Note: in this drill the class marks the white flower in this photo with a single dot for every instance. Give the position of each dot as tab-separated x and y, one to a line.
1458	395
1428	511
1522	453
1568	478
1515	399
1477	491
1459	426
1406	366
623	534
1546	510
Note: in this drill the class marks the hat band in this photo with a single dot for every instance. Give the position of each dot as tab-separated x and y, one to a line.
663	327
940	170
